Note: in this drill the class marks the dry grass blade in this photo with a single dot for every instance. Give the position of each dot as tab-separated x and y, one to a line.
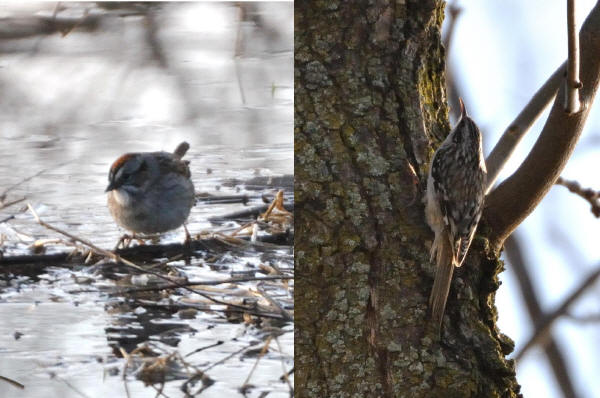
276	209
285	375
284	313
127	358
263	351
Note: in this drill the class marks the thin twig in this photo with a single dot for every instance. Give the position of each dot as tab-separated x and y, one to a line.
8	218
262	353
66	31
228	357
591	318
593	197
543	329
191	283
68	384
285	372
4	205
24	180
225	199
198	374
285	314
160	392
289	373
127	358
119	259
12	382
218	343
572	103
515	132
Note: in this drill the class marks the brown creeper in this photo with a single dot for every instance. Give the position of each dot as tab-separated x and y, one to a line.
455	194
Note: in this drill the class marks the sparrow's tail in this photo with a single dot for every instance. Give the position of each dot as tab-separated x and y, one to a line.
181	150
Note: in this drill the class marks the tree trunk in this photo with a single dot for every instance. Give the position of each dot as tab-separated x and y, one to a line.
369	110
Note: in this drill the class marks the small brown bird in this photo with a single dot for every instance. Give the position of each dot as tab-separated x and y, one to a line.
151	192
455	197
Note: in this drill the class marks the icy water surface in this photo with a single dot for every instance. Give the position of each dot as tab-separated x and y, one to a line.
71	104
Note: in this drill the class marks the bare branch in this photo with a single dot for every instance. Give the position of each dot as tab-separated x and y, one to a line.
509	204
454	12
543	329
23	27
572	104
521	125
593	197
160	54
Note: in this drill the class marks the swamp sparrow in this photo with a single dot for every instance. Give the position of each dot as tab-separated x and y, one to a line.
150	192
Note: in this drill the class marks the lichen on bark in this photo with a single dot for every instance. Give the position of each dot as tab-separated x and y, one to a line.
369	104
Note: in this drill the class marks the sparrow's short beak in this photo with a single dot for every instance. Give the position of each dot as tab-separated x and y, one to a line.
110	186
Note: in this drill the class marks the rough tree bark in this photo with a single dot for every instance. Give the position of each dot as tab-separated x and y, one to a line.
370	108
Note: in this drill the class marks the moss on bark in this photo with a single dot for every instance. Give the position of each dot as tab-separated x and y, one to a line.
369	104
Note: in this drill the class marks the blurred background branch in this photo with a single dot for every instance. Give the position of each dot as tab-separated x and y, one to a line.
556	358
593	197
543	327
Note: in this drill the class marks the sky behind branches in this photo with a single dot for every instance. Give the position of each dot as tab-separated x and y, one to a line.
501	53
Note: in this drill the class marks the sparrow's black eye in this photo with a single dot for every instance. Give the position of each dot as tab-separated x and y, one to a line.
118	175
